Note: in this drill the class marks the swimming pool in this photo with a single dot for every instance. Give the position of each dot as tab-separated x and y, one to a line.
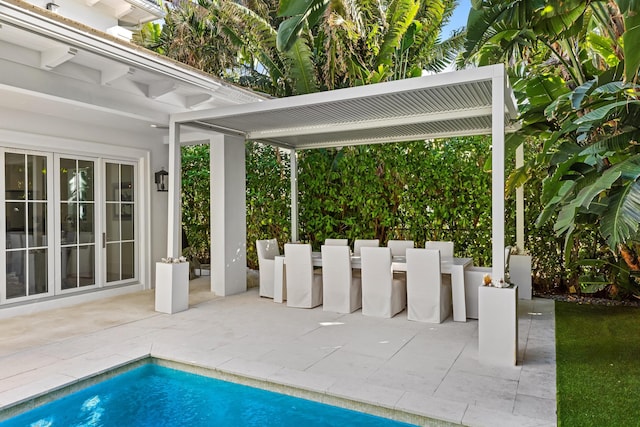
155	396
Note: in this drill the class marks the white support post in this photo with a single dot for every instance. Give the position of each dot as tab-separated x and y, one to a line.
520	202
497	308
228	215
174	217
294	194
497	174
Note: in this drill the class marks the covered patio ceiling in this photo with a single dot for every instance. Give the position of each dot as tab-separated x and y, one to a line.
436	106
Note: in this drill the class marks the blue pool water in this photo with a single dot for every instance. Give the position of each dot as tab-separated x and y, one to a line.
153	396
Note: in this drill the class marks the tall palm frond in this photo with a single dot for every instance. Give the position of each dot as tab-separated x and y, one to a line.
246	29
445	53
400	15
301	67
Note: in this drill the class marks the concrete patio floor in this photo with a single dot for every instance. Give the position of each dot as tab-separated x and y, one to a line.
391	367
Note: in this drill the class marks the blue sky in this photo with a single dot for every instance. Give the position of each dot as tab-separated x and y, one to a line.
459	18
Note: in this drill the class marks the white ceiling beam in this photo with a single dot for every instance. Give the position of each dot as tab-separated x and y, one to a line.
195	100
92	3
114	72
158	89
53	86
123	10
53	57
372	124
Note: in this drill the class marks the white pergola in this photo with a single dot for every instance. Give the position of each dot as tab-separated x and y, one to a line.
476	101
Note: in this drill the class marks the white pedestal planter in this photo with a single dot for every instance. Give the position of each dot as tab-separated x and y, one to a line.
498	325
520	272
172	287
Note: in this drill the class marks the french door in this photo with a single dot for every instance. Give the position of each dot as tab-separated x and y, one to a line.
119	238
77	220
71	230
28	220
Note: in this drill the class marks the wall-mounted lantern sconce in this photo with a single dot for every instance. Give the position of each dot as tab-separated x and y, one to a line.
162	180
52	6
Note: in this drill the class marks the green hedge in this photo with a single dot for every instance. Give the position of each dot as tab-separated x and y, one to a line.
434	190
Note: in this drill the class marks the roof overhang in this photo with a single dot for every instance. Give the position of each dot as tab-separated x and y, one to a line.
59	67
458	103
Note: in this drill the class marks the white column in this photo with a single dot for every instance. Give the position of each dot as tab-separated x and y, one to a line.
520	202
174	217
228	215
294	194
497	174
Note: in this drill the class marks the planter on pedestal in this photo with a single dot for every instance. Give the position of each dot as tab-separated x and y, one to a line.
520	273
172	287
498	325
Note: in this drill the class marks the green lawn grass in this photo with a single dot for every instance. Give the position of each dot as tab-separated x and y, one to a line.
598	365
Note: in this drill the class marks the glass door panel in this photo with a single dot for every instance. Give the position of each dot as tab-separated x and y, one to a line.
77	223
120	213
26	218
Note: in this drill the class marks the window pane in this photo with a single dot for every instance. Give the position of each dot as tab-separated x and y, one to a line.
112	185
127	260
67	172
16	274
113	222
69	263
85	174
113	262
87	230
37	224
127	221
127	183
15	223
68	229
37	177
37	271
87	268
14	175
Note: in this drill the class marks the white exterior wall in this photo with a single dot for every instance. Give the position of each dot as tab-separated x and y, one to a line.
65	89
28	130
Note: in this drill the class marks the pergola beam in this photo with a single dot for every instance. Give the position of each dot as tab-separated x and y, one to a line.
372	124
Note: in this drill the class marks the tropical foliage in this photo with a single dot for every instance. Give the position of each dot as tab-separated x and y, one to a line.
421	191
195	200
434	190
330	45
268	196
412	193
574	67
320	45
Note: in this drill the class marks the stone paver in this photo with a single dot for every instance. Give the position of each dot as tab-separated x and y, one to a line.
424	369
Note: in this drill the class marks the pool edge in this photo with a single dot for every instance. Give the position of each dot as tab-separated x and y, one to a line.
26	404
16	408
305	393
